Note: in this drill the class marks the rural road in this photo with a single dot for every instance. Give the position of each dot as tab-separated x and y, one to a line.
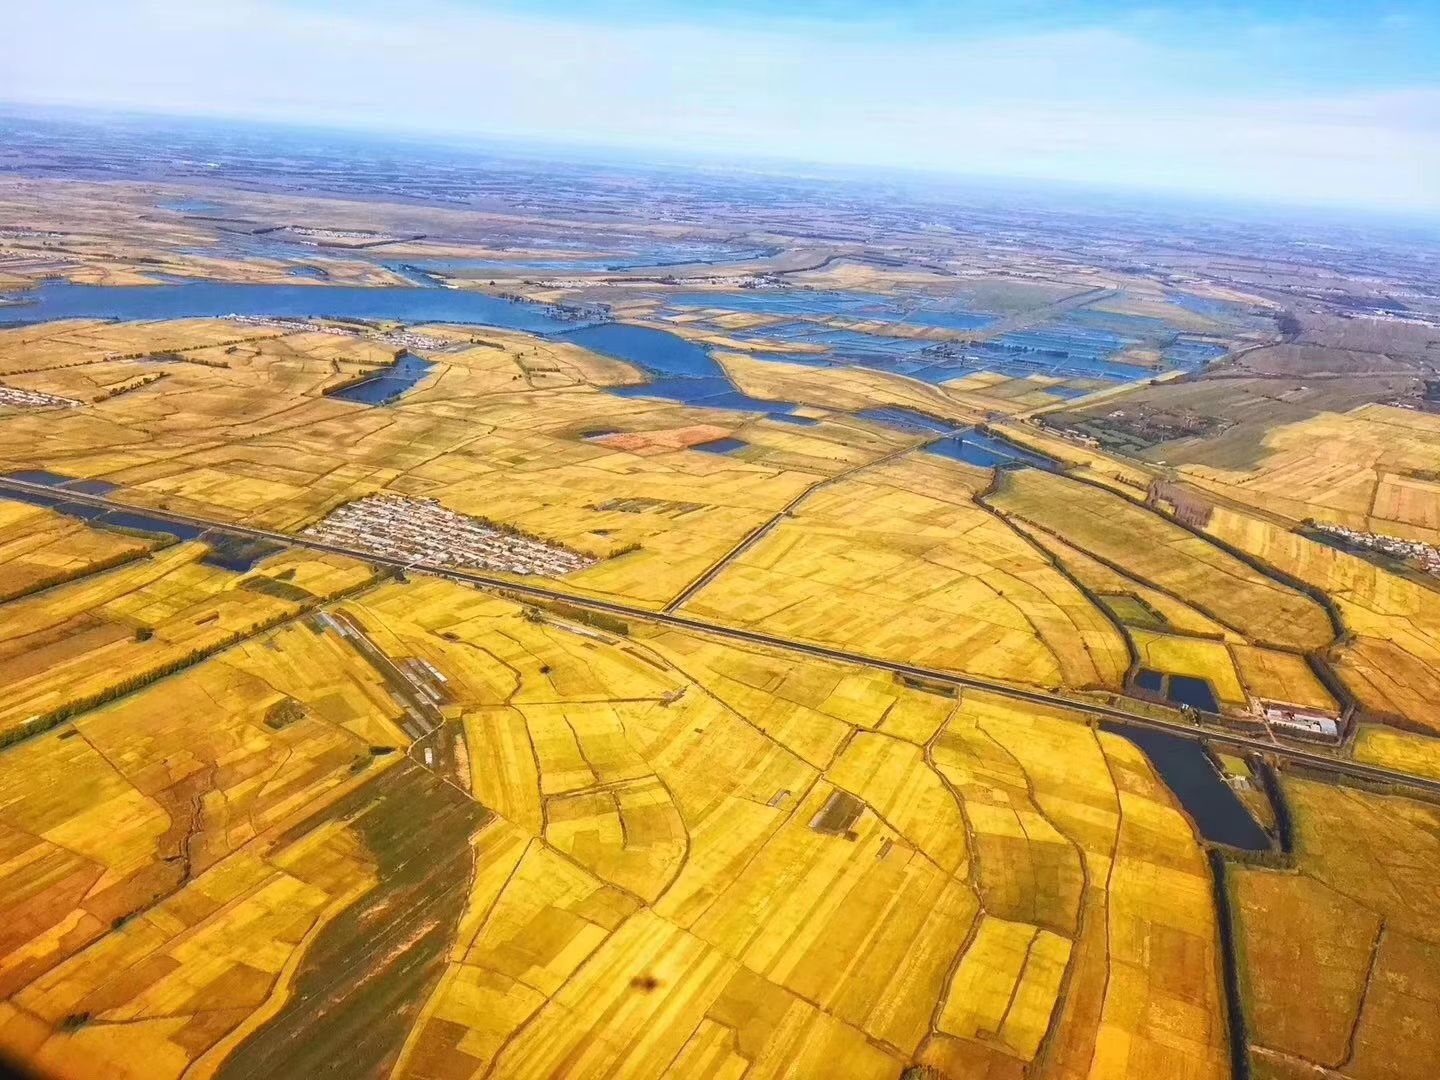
1297	755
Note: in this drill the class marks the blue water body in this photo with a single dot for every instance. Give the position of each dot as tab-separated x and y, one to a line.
790	418
821	304
1153	681
706	392
58	480
193	206
40	476
657	351
315	273
1204	305
385	388
721	446
986	451
1188	771
61	300
909	420
103	516
1078	345
1197	693
238	553
963	450
849	344
1179	689
228	550
688	374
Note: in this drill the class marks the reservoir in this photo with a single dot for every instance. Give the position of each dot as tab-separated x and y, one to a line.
1187	771
683	371
389	384
214	299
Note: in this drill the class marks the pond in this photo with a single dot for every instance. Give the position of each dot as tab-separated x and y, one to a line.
1179	689
721	446
987	451
1189	772
390	384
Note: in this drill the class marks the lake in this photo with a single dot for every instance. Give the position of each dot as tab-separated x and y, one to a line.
207	299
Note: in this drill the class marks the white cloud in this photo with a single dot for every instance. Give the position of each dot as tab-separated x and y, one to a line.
1098	105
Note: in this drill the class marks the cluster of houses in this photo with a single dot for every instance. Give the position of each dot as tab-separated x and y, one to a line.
401	339
1424	556
34	399
421	532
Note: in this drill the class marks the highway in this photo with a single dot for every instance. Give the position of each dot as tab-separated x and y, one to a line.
495	583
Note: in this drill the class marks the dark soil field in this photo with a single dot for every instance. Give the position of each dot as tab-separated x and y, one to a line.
368	973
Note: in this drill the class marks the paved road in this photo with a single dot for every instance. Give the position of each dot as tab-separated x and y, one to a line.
495	583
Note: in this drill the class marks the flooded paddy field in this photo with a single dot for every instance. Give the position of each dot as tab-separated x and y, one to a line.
929	338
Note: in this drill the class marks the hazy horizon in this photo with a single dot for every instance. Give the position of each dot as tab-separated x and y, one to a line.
1265	103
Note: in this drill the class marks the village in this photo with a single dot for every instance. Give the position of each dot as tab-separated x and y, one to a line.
424	533
1425	557
34	399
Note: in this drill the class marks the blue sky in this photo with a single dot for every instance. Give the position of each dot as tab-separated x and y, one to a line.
1320	102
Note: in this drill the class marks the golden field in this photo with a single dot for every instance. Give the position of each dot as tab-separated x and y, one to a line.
1356	927
1200	658
310	816
1371	469
1121	534
40	548
898	561
688	853
1390	658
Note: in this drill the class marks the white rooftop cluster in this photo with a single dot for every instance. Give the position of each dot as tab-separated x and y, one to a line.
401	339
422	532
34	399
1426	556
